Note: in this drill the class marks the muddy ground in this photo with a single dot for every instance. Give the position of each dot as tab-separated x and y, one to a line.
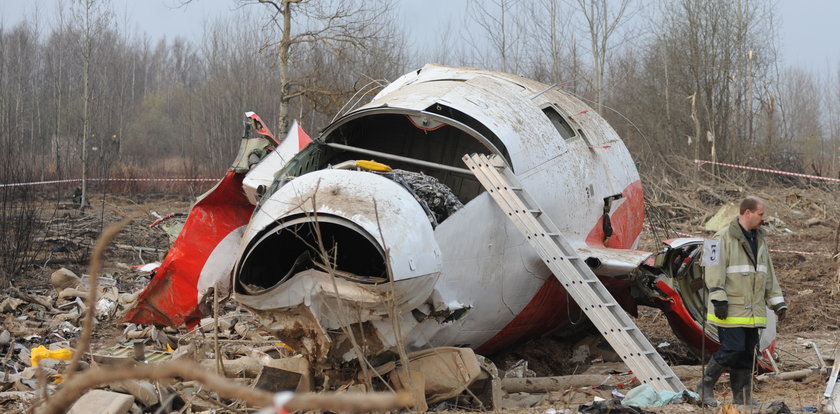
806	238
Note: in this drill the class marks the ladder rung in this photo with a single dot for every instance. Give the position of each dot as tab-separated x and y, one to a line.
584	287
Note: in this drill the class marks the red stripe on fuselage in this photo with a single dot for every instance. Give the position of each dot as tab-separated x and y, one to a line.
627	220
551	307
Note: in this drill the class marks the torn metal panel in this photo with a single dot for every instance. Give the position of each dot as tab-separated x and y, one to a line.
262	174
203	255
210	236
312	307
257	141
612	262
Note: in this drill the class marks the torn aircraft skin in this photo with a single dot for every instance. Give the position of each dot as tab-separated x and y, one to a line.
204	253
332	229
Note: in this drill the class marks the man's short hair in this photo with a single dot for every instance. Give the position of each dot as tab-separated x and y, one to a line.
750	203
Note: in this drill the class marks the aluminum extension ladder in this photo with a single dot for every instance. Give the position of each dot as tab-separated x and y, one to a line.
563	261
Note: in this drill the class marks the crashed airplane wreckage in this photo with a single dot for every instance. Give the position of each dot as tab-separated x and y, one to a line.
308	236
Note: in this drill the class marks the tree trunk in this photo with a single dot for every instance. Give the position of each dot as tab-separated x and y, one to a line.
285	42
85	128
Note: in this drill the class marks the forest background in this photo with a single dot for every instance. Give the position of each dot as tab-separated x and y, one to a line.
81	95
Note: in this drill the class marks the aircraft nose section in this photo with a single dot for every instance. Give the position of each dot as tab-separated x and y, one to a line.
355	223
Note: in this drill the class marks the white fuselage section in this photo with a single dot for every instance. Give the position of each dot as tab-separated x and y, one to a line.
488	275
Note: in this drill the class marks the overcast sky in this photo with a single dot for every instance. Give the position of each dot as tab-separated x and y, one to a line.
810	29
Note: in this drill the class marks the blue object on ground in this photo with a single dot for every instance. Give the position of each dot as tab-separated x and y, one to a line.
645	396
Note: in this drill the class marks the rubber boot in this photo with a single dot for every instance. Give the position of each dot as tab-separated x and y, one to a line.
740	381
706	387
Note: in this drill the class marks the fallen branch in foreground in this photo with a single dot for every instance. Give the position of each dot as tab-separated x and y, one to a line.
792	375
95	266
336	402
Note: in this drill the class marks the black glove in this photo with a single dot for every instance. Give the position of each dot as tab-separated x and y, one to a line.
780	309
721	308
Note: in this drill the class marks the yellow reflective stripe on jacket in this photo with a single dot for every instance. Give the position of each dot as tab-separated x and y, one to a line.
735	320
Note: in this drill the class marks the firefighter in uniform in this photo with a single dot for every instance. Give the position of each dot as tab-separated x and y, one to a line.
741	287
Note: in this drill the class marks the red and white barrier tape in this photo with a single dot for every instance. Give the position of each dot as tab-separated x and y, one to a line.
37	183
155	179
76	180
794	252
649	227
744	167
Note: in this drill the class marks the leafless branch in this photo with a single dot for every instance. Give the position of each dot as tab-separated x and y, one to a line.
73	388
95	267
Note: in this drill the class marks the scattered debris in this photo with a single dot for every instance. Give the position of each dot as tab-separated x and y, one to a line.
238	347
814	221
519	369
831	396
612	406
797	375
63	279
103	402
645	396
286	374
722	217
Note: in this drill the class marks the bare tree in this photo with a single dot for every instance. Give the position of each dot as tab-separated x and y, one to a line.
94	19
804	131
19	61
832	100
603	19
57	78
724	52
498	21
340	26
550	41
